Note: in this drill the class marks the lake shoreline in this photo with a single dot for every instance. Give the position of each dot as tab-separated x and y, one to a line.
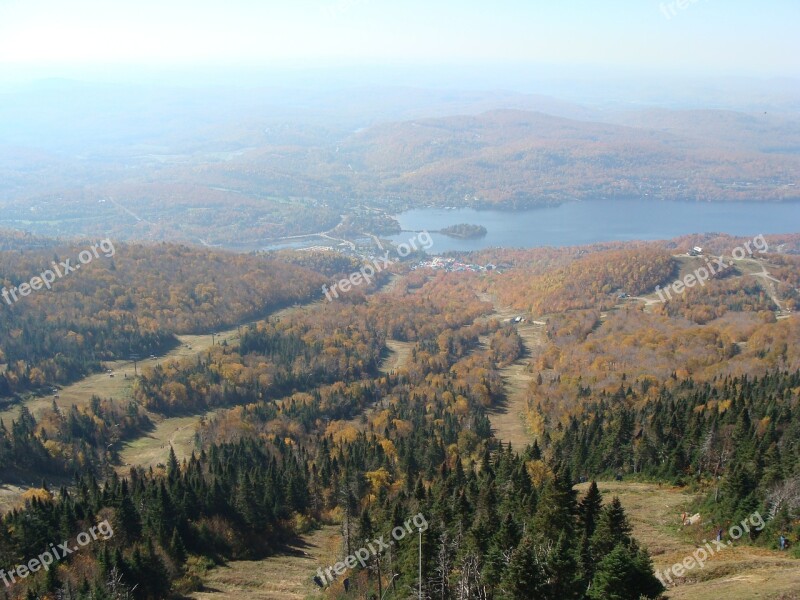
589	222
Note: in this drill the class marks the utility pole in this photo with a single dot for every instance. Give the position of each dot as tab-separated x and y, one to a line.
380	583
420	563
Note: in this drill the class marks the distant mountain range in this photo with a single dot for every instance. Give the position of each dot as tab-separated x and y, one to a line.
293	162
518	158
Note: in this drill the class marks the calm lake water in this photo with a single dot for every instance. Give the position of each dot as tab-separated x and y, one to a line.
577	223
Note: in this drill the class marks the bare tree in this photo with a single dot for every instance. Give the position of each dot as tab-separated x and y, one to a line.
785	495
444	564
117	588
715	452
65	593
470	584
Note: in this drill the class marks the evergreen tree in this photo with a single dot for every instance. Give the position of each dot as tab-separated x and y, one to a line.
589	509
624	574
612	529
524	577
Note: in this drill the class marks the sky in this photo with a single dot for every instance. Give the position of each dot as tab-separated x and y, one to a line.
742	37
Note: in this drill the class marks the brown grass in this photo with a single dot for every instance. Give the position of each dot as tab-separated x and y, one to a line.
739	572
399	355
10	497
508	420
153	448
284	577
119	386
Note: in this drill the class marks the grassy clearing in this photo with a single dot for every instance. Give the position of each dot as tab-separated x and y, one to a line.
508	419
118	386
153	448
687	265
284	577
735	573
655	513
10	497
399	355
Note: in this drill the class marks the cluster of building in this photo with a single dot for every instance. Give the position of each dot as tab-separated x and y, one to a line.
364	249
451	265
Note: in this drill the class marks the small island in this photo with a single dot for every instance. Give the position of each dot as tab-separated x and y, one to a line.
464	231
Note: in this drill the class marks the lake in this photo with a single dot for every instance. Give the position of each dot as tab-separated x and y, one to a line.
577	223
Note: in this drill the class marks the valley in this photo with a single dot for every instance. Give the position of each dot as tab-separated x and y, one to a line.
508	348
352	300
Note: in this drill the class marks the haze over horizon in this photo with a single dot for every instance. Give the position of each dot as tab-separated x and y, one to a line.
117	41
512	286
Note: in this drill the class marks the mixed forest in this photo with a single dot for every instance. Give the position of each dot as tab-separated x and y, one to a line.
309	429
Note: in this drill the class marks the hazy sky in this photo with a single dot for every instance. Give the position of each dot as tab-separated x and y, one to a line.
748	36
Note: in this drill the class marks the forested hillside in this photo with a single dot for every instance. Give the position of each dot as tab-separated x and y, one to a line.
742	432
130	300
371	300
309	429
290	457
